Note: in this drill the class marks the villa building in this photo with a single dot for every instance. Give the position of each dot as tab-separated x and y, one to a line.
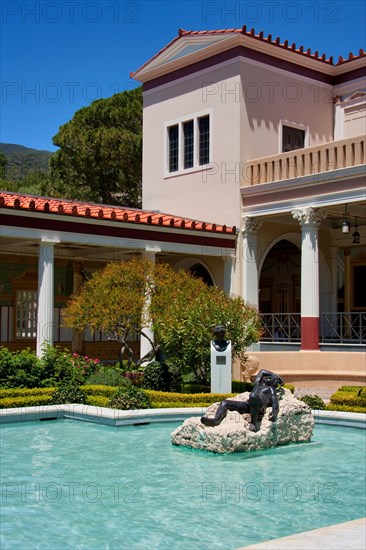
264	142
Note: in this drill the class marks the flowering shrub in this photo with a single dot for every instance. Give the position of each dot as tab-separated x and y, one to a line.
83	367
56	367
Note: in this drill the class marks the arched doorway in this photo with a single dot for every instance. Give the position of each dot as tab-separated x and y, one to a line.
280	279
200	272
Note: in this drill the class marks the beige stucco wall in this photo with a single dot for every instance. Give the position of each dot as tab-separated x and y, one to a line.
209	195
314	368
246	103
271	96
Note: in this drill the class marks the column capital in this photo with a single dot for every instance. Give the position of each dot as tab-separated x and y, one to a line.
251	225
309	216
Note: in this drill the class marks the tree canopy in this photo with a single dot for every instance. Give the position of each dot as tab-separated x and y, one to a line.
100	155
182	310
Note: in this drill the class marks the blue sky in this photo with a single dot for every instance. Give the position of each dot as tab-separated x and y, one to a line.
57	56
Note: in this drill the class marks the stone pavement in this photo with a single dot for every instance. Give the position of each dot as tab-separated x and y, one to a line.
350	535
323	393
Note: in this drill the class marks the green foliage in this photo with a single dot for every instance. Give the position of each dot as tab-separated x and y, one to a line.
345	408
97	401
349	398
23	368
185	311
25	401
19	369
68	393
190	399
240	387
162	376
60	366
130	398
108	377
314	401
100	155
25	392
22	161
290	387
99	390
195	387
3	164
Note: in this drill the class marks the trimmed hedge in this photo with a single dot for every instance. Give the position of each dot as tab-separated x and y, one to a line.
25	392
344	408
349	399
25	401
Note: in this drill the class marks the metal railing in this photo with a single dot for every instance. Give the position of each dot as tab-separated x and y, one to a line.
335	328
281	327
344	328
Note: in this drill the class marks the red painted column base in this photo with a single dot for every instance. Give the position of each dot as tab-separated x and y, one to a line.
310	333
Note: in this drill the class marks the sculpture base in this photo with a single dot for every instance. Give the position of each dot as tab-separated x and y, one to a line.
294	424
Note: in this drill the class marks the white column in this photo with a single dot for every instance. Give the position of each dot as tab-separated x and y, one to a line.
250	256
229	264
310	219
45	319
145	346
334	272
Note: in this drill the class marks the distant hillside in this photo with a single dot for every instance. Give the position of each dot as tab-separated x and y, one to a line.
23	160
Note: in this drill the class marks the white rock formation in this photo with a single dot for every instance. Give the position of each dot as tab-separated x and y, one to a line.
294	423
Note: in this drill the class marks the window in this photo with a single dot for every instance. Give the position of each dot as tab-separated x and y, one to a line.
173	148
204	131
26	314
292	138
189	144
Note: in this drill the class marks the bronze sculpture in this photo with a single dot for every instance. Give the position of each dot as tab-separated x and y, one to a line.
219	343
261	397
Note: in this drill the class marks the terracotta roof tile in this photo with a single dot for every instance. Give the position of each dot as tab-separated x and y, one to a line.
277	42
109	214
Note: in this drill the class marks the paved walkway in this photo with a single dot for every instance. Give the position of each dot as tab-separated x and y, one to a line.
323	393
343	536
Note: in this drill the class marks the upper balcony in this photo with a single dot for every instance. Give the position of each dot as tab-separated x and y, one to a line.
318	159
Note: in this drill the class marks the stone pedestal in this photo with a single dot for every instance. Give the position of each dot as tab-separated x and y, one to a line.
221	370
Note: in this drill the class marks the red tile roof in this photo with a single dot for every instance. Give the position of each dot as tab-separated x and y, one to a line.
108	213
276	42
260	36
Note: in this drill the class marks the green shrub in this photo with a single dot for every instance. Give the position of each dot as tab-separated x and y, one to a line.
290	387
21	369
195	388
68	393
25	401
178	405
105	391
26	392
345	408
348	398
129	398
314	401
108	377
240	387
61	366
353	389
97	401
156	377
189	398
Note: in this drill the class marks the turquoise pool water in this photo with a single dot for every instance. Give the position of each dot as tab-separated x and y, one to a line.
70	485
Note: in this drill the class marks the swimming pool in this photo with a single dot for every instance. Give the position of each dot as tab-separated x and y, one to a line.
70	485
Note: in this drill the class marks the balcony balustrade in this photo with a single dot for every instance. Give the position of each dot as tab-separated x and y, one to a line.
318	159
